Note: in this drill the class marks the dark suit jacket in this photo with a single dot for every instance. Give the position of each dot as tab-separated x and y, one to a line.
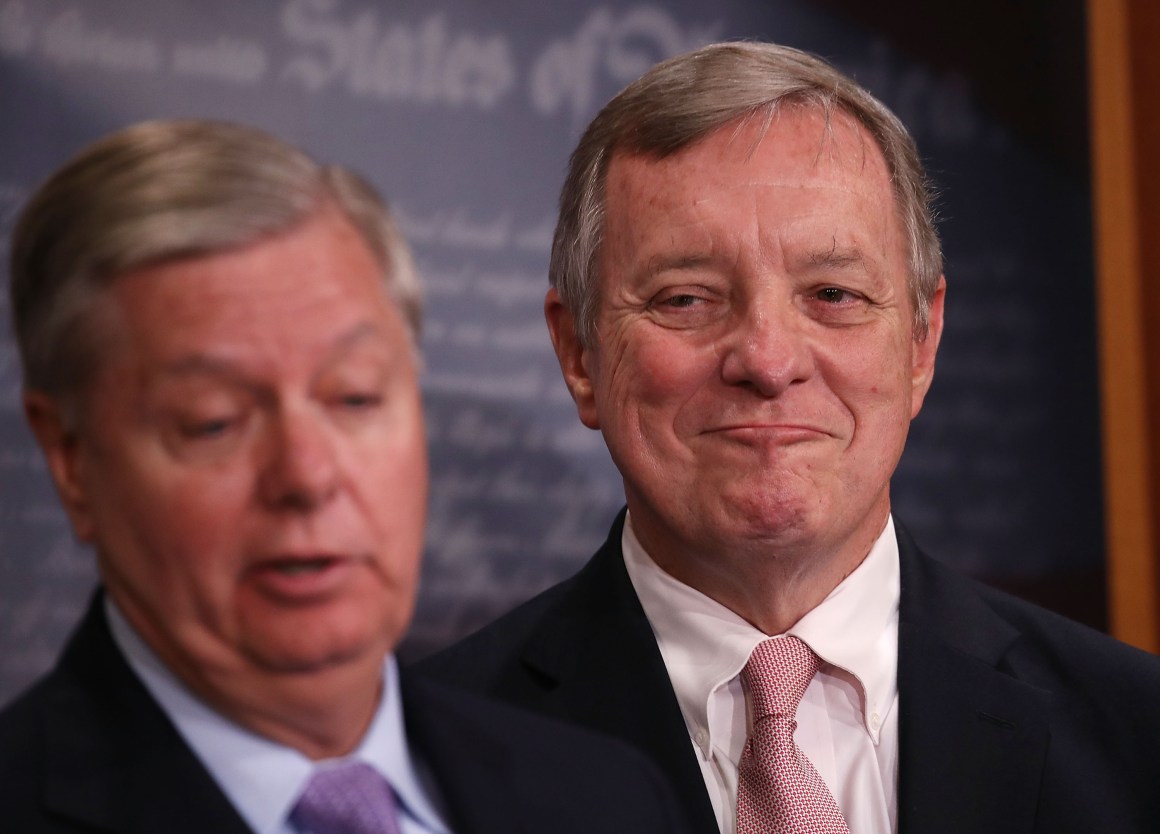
1012	719
88	749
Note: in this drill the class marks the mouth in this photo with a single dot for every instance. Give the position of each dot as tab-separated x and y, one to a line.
767	438
302	578
301	567
783	432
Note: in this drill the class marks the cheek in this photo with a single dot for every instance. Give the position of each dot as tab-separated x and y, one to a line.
141	497
870	368
655	374
211	514
199	529
392	490
401	502
874	386
181	547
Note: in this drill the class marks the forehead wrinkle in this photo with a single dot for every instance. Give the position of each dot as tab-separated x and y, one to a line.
221	364
830	120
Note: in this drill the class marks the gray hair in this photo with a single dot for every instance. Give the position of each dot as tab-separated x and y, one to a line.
160	191
682	101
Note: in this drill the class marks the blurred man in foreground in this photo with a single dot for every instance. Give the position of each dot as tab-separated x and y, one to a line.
219	345
747	299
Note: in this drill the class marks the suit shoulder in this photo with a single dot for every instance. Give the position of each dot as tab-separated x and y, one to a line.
1037	645
20	725
530	646
23	752
481	660
1075	650
1088	670
556	768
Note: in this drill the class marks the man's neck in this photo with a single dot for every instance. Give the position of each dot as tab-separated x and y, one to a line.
323	714
770	584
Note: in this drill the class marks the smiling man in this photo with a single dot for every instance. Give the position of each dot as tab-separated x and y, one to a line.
746	301
219	346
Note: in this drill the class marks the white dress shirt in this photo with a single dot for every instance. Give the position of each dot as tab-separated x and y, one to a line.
848	718
261	778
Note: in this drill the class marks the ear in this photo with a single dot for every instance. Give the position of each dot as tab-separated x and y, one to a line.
61	447
922	368
573	358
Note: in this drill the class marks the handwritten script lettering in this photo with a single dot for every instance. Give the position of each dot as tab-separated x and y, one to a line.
395	62
607	46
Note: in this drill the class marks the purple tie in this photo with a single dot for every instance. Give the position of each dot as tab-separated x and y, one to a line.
350	798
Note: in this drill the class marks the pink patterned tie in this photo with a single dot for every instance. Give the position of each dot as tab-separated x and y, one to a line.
351	798
778	788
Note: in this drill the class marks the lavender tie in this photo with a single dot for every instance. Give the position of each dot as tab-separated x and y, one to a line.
350	798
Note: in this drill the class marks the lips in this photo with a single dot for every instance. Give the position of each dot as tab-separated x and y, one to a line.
301	578
786	433
297	567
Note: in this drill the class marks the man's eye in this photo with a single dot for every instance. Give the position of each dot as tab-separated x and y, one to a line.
683	300
360	400
835	295
207	429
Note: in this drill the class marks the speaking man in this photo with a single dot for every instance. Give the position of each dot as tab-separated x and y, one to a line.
218	338
746	300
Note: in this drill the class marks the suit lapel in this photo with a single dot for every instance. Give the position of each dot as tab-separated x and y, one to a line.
972	738
113	760
599	659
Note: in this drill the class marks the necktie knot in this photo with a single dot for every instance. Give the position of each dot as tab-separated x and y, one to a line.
777	675
348	798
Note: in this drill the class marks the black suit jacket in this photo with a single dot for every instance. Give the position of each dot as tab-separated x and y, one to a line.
88	749
1012	719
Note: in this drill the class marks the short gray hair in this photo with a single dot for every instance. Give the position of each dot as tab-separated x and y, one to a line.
682	101
166	190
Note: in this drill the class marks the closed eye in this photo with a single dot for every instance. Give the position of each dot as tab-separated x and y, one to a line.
686	306
360	401
208	429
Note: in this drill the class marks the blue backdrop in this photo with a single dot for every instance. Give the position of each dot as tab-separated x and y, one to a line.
464	114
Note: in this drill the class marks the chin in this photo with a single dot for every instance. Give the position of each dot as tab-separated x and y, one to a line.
769	514
317	648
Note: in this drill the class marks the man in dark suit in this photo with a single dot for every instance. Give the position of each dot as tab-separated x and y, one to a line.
219	345
746	300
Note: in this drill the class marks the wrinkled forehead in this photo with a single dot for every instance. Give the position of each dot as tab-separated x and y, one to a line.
805	140
765	171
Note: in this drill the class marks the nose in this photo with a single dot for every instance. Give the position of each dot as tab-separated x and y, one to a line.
767	349
301	470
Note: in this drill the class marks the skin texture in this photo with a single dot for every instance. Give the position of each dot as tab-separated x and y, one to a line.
755	370
252	472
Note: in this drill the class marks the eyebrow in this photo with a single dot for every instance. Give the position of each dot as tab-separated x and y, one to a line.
837	257
670	263
201	364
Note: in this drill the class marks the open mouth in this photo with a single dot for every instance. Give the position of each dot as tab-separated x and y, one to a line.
302	578
301	567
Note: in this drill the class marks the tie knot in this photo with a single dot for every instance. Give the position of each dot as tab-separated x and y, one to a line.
777	675
349	798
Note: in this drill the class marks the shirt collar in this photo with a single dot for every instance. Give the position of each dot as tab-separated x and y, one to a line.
261	778
705	645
